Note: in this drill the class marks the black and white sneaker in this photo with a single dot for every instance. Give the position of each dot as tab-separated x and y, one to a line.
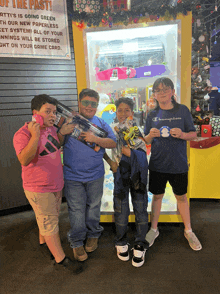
138	255
122	252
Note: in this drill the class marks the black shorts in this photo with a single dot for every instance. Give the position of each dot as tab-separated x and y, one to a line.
158	181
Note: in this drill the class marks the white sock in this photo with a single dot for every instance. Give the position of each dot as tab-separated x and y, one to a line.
154	229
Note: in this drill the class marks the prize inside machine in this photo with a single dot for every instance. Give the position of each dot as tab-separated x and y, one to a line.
205	150
125	63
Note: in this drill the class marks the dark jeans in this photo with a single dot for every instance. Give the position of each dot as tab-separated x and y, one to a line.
122	211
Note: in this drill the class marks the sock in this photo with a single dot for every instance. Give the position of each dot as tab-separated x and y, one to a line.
43	244
188	231
61	262
154	229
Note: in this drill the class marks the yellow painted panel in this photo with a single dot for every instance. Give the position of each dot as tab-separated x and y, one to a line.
79	57
163	218
204	173
186	50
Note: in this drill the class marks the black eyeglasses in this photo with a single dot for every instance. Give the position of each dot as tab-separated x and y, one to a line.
88	102
164	90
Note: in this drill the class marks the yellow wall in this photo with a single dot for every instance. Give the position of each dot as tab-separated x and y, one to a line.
164	218
204	172
79	58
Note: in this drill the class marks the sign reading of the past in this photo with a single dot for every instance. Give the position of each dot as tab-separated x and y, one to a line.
34	29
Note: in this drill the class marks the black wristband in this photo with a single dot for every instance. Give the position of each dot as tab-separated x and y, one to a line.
61	134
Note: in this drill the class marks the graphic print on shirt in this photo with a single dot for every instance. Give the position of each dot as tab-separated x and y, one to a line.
49	148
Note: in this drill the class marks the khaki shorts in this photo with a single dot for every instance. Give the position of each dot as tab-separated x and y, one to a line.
46	207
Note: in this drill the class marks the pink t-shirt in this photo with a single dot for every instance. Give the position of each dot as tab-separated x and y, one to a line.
44	173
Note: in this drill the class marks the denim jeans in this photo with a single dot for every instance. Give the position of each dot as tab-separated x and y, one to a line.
122	211
84	201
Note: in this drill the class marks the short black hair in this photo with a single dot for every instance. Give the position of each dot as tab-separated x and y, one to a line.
125	100
90	93
39	100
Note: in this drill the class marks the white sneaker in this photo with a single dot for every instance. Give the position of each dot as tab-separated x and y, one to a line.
151	236
193	241
138	255
122	252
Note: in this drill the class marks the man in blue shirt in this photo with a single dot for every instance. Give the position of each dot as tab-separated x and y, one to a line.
84	177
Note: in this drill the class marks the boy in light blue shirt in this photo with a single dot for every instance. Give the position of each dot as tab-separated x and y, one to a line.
84	177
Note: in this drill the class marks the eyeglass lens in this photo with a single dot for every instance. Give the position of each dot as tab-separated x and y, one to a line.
164	90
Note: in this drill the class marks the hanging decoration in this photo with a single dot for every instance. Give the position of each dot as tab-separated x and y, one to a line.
88	6
90	12
202	38
200	78
198	108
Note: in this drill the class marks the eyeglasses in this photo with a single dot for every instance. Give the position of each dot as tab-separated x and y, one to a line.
88	102
164	90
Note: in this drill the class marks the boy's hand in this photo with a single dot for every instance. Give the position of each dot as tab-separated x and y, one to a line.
176	133
66	129
89	137
126	151
34	129
154	132
114	166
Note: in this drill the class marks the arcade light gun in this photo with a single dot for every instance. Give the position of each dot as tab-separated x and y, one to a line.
66	114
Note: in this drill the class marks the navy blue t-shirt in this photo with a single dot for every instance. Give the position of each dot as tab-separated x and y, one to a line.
168	154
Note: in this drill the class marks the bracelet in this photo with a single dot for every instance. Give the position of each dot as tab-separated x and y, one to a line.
60	133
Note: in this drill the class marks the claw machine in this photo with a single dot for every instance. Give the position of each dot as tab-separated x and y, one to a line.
124	61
